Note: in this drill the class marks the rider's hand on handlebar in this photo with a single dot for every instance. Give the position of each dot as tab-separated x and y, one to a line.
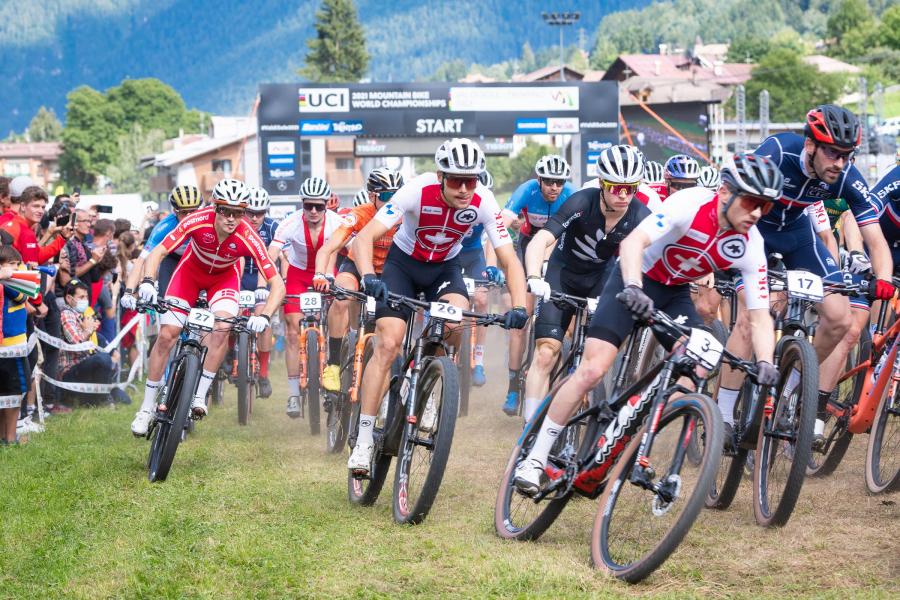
128	301
635	300
766	373
881	289
257	323
147	291
322	282
262	294
539	288
375	287
858	262
494	275
515	318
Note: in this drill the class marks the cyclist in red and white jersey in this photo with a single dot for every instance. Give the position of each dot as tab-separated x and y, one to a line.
697	232
654	178
301	235
645	194
219	237
437	210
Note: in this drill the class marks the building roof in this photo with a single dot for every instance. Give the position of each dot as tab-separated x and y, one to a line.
669	66
38	150
226	131
550	73
477	78
826	64
657	90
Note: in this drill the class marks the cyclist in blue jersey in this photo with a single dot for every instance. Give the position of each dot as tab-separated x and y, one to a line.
539	199
252	279
817	166
473	264
184	199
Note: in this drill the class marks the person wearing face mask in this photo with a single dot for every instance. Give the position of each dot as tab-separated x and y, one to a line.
85	366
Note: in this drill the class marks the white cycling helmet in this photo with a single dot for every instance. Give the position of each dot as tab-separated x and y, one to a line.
709	177
384	179
460	156
315	187
487	180
553	166
653	172
259	200
231	192
361	197
620	164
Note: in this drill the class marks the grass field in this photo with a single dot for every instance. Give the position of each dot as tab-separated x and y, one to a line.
261	512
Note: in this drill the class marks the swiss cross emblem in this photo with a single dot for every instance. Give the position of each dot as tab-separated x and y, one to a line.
686	262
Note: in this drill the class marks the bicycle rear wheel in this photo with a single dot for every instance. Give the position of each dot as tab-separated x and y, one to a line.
464	359
423	453
169	428
636	529
731	468
785	435
244	382
313	383
337	417
883	450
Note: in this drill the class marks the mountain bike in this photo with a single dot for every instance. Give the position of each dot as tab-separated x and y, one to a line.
313	340
636	463
418	414
245	370
465	357
174	401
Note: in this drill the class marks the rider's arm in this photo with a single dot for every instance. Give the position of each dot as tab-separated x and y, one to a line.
822	227
536	252
151	265
325	257
136	271
276	294
853	239
755	274
364	243
762	333
515	276
490	255
865	209
879	252
631	252
515	205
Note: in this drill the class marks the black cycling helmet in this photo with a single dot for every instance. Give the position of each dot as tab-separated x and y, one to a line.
383	179
831	124
754	175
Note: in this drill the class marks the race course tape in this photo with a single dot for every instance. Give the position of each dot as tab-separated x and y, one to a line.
25	349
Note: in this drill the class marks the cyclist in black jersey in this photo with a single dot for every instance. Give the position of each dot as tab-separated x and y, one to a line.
588	227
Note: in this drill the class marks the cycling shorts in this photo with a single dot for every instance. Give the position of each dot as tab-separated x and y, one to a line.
522	245
298	282
166	268
407	276
801	248
472	263
612	322
189	279
552	321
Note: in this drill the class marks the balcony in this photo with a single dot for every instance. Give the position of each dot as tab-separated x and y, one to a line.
161	184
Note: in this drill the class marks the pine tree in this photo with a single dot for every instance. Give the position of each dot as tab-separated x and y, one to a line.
45	126
338	52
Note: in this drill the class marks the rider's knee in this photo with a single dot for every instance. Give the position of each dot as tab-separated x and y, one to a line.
545	353
590	372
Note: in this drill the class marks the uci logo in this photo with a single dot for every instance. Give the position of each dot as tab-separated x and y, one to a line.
323	100
465	217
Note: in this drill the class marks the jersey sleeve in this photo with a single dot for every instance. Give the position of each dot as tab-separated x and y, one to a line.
407	199
288	228
886	190
856	192
755	273
818	216
178	235
157	235
571	209
518	199
256	250
489	216
771	148
677	214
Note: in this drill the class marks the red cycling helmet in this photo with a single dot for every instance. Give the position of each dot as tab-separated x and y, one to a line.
830	124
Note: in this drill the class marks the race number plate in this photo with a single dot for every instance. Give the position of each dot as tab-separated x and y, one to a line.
370	305
247	299
805	285
470	285
704	348
311	301
448	312
201	319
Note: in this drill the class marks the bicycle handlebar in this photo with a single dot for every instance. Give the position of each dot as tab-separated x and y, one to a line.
162	305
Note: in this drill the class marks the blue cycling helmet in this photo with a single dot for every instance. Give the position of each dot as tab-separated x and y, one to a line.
682	166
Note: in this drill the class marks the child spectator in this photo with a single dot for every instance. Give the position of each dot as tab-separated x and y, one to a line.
15	372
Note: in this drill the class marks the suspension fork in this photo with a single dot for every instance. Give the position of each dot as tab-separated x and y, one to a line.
358	364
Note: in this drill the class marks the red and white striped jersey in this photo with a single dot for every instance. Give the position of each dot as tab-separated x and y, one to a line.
294	233
214	256
686	244
431	231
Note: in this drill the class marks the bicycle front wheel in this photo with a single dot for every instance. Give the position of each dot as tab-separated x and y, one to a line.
313	383
245	383
785	438
169	427
425	446
883	450
636	529
337	418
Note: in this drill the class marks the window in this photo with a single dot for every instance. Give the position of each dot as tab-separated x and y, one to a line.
223	166
344	164
14	168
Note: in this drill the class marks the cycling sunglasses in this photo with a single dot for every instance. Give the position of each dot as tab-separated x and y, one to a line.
255	213
455	182
230	213
751	203
553	182
314	207
617	188
681	185
834	154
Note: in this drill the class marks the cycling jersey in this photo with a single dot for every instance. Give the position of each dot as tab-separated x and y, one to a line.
266	233
431	231
645	194
887	197
528	199
820	217
159	233
686	244
472	239
293	233
661	189
354	222
802	190
214	256
580	227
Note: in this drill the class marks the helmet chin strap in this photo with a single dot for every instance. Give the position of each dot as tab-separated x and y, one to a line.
727	206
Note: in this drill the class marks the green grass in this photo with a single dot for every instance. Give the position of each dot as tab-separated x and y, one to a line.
261	512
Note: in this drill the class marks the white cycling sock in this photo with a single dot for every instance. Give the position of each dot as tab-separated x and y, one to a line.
293	385
531	405
479	355
206	380
545	439
150	390
365	434
727	399
819	427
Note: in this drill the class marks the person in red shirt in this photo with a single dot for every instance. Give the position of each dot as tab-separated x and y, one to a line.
32	204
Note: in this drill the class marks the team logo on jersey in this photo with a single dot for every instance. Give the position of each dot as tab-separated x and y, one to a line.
732	247
435	239
232	246
207	237
586	247
432	210
388	209
687	262
350	220
465	217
